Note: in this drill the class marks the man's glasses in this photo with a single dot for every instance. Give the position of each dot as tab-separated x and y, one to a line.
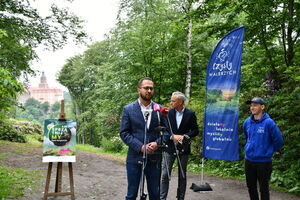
148	88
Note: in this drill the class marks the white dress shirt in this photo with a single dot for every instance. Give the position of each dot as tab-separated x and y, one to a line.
145	109
179	115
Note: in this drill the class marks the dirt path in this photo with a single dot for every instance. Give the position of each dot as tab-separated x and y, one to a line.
98	178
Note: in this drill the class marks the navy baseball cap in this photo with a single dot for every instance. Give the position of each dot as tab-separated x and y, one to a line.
256	100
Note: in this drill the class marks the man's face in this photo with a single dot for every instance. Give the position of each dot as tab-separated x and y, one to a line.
175	103
256	108
146	90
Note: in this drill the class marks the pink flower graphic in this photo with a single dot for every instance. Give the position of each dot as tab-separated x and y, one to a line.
64	151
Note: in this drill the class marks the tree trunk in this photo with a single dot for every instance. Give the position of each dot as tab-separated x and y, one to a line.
189	61
290	50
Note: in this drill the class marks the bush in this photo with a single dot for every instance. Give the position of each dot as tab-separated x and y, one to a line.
16	131
11	132
113	145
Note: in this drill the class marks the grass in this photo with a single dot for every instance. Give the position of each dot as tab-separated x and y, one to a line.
3	155
22	147
33	141
119	157
14	181
227	172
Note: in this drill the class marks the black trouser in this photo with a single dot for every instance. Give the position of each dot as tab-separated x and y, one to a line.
168	165
261	172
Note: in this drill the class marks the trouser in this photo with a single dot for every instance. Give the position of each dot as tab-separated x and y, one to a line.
169	161
261	172
152	173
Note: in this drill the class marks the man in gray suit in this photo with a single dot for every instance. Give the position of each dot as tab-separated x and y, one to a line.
184	125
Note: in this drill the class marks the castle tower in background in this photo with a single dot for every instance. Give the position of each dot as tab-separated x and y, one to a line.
43	83
43	93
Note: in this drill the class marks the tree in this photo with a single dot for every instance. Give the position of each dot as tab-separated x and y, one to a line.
54	110
26	29
22	29
32	111
45	107
150	39
9	88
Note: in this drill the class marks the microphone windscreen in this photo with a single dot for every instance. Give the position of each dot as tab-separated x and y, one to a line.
156	107
164	110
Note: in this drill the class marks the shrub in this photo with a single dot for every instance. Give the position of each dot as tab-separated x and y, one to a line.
113	145
16	131
11	132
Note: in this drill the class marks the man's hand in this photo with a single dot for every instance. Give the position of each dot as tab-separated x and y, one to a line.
177	138
150	147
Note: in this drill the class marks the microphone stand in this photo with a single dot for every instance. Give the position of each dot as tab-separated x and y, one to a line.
143	195
162	148
177	155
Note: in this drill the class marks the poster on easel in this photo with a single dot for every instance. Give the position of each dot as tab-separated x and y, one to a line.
59	140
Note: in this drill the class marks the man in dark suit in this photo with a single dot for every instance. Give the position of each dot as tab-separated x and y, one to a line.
133	131
184	125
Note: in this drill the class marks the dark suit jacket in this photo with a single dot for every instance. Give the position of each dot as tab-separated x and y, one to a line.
188	126
132	132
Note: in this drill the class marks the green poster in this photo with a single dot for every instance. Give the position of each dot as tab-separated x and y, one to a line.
59	141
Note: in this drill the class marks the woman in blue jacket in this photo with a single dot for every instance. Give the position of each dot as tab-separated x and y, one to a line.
263	138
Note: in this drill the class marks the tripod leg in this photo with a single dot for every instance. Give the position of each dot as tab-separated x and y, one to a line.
182	180
48	181
165	181
58	182
179	181
167	167
71	181
179	163
202	169
176	150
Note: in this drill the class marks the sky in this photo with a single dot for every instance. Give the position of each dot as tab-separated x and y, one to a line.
99	16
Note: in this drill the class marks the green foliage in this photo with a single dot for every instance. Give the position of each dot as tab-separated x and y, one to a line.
113	145
16	131
25	29
120	157
286	177
9	89
37	112
55	109
150	40
2	33
225	168
11	132
32	111
14	181
22	29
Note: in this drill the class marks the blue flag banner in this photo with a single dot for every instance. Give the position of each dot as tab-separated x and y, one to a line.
220	137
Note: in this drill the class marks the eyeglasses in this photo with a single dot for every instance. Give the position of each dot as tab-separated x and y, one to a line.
148	88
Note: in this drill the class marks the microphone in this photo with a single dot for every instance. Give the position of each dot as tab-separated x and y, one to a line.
164	110
146	113
157	109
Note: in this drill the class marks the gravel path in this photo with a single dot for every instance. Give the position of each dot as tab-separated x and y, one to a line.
98	177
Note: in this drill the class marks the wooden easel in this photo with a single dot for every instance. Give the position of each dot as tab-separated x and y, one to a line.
58	182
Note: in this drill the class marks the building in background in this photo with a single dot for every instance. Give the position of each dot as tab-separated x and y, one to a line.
42	93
